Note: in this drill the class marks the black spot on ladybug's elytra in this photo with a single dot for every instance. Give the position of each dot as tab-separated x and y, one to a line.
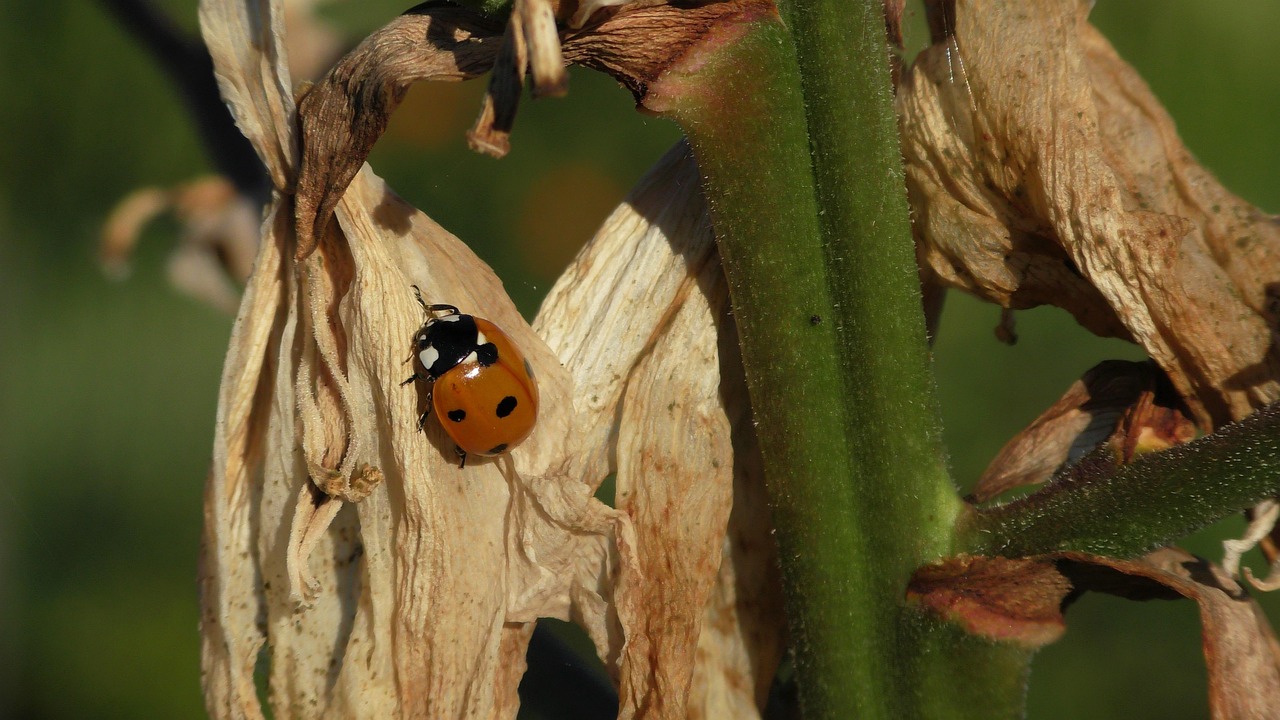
487	354
506	406
457	415
528	369
498	449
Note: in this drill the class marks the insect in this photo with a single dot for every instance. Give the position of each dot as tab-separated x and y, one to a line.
479	385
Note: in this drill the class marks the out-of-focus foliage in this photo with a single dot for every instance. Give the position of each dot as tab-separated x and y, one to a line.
107	390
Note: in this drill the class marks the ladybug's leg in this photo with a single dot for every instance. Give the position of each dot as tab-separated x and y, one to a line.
413	377
462	456
422	419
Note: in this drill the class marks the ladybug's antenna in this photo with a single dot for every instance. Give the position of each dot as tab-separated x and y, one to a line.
434	308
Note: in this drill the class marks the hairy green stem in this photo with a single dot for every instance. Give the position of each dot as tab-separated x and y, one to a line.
1126	511
811	221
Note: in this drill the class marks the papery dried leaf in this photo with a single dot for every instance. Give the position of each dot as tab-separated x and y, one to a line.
347	111
1019	599
392	583
1240	648
675	480
633	318
368	609
1084	417
536	501
1068	186
231	586
244	38
1125	405
1016	600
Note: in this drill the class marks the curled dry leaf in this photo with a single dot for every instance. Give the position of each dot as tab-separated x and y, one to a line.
1041	170
1124	404
530	45
388	582
1020	600
1262	522
345	113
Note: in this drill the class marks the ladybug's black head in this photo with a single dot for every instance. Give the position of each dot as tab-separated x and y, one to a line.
444	342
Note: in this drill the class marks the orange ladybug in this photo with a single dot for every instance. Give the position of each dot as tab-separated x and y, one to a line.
480	386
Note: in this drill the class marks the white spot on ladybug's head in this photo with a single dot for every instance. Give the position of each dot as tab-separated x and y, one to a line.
470	358
428	356
480	338
449	318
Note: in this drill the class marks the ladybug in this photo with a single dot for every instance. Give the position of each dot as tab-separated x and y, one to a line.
478	383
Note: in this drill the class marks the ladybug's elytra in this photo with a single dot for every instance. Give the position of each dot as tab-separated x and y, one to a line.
480	386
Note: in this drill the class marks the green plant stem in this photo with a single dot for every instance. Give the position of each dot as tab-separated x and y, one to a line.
825	295
1126	511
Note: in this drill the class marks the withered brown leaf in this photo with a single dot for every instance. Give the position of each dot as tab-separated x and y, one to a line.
1123	404
1020	600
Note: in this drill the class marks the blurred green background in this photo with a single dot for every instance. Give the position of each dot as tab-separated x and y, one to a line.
107	389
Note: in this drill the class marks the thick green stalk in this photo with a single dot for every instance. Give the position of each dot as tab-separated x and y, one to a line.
825	295
1127	511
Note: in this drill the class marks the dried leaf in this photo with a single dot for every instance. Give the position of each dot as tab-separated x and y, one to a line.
245	39
1041	170
347	111
638	317
1018	600
675	480
1240	648
231	586
1084	417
